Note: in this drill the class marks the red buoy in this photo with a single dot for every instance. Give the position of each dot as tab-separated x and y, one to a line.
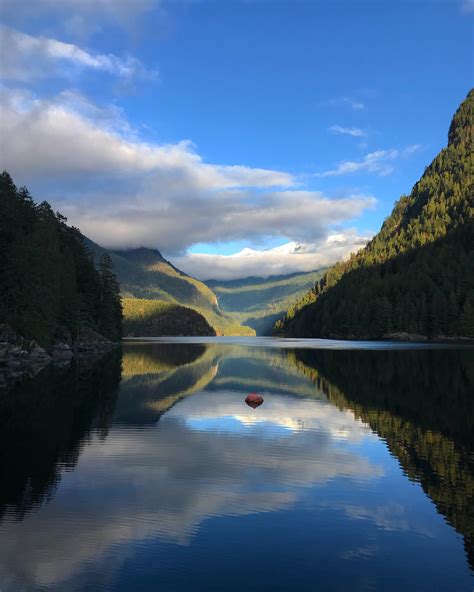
253	400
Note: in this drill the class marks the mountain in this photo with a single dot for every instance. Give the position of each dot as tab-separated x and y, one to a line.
416	275
149	318
146	274
258	302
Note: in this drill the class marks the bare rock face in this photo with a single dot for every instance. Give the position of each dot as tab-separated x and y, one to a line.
254	400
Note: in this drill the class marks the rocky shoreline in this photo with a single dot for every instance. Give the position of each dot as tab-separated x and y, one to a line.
20	357
414	337
402	336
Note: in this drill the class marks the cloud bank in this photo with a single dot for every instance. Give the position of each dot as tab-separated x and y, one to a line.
125	192
82	18
288	258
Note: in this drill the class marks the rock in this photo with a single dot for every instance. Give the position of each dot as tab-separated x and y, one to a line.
39	355
61	352
14	364
401	336
253	400
91	341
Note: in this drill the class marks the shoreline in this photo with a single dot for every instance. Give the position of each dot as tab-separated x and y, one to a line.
21	358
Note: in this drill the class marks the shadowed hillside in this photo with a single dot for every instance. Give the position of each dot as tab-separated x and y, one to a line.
149	318
145	274
417	274
258	302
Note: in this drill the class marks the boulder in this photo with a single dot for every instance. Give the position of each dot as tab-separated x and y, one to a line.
90	341
402	336
39	355
61	352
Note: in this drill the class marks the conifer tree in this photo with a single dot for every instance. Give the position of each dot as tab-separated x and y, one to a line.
49	284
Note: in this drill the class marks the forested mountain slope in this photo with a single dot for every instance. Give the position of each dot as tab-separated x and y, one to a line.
417	274
151	318
257	301
50	289
146	274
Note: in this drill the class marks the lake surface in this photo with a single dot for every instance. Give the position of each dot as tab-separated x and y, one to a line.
147	471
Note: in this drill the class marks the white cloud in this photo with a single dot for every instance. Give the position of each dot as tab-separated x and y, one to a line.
124	192
379	162
81	17
350	131
288	258
467	6
27	58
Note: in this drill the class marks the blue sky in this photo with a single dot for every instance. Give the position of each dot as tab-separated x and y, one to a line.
204	128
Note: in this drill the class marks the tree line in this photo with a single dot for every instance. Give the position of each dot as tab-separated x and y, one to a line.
417	274
50	287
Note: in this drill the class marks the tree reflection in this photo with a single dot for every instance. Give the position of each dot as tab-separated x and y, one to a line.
44	422
421	403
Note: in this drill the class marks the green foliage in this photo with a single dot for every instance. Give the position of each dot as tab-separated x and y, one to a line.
417	274
258	302
50	287
110	303
153	318
144	274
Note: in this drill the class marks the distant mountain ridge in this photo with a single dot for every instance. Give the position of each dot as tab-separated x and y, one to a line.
416	275
259	301
243	306
145	274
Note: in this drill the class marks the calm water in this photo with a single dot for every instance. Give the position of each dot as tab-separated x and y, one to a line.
148	471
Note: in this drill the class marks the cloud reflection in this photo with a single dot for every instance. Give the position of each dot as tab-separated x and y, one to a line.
164	481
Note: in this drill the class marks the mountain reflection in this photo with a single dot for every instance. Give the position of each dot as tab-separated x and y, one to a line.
421	403
174	447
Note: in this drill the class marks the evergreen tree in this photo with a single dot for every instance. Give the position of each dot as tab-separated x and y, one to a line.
49	284
110	306
417	274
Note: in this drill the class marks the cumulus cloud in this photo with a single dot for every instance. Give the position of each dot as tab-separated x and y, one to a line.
125	192
379	162
349	131
82	17
288	258
26	58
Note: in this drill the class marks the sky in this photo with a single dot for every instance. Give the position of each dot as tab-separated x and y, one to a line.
239	137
